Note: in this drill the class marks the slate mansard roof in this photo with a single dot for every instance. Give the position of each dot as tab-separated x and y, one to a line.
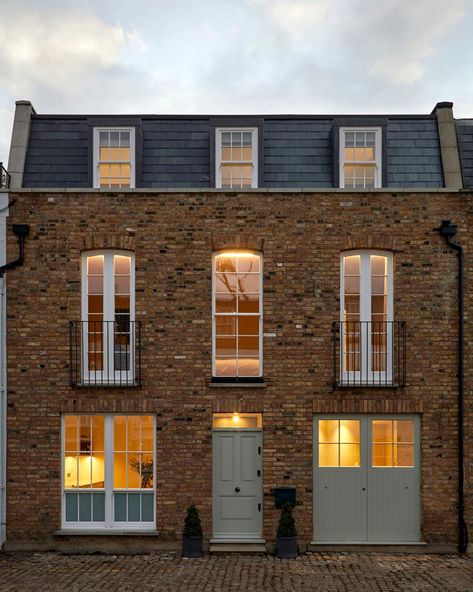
295	151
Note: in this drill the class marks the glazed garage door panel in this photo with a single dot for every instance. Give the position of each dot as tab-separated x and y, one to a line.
366	479
393	479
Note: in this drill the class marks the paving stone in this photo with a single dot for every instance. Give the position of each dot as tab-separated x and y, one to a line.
168	572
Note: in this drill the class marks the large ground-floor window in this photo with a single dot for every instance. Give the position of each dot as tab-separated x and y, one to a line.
109	471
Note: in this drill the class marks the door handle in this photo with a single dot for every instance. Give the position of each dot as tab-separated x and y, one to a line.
363	489
237	489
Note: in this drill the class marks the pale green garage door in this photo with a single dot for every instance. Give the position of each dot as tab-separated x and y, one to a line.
366	479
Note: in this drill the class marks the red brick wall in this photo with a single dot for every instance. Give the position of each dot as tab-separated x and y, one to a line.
301	236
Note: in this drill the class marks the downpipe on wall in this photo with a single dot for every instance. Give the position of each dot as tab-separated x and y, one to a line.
448	231
21	231
3	414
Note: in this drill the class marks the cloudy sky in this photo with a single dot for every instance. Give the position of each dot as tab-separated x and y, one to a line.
234	56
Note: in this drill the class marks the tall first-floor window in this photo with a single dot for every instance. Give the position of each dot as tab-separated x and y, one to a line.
109	471
108	315
368	334
237	315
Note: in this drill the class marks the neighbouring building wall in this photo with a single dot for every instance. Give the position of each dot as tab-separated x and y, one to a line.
173	235
3	373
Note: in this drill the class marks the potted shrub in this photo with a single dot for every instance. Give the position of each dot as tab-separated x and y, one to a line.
286	542
192	534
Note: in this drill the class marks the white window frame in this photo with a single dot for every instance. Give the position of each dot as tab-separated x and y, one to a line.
109	490
366	375
378	155
218	155
117	377
215	314
96	153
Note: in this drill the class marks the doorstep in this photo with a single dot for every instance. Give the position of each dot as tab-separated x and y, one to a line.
237	546
381	547
105	532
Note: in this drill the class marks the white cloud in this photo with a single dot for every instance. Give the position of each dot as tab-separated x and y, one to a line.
406	34
295	16
237	56
58	49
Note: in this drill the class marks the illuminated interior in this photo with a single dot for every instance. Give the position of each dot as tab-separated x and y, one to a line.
133	457
236	160
354	343
392	443
84	465
114	159
359	159
116	337
339	443
237	277
237	420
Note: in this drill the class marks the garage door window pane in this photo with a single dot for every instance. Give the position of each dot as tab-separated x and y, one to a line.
328	430
382	455
328	455
404	431
339	443
404	455
349	455
382	430
393	443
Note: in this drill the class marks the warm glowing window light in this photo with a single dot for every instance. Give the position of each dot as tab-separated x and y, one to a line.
237	314
339	443
109	470
237	420
392	443
236	158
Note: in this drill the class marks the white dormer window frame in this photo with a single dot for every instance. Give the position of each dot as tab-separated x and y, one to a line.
363	180
97	161
221	163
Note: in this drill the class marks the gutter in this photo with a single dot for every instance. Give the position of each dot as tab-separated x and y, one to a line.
448	231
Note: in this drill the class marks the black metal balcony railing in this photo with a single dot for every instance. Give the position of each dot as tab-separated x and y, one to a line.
105	353
4	177
369	353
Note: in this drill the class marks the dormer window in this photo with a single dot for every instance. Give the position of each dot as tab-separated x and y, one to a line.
236	158
360	158
114	158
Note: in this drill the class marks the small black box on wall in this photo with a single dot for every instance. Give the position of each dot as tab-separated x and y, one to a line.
285	495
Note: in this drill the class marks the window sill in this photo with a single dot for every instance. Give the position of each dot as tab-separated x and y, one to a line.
237	384
105	384
369	385
104	532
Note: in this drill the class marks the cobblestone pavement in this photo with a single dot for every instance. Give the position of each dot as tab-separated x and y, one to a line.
166	572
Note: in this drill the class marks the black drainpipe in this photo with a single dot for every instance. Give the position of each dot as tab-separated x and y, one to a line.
448	231
21	231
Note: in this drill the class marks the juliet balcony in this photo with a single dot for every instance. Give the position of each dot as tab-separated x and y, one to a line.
105	353
369	354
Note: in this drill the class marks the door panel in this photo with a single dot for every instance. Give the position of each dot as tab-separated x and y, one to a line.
340	505
394	494
237	487
340	508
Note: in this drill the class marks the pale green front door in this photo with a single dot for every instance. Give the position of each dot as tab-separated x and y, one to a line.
237	484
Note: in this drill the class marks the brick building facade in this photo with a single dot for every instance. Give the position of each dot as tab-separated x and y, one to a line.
301	237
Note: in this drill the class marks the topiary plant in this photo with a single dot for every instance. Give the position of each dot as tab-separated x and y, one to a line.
287	524
192	523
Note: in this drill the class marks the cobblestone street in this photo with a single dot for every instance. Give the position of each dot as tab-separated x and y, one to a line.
166	572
